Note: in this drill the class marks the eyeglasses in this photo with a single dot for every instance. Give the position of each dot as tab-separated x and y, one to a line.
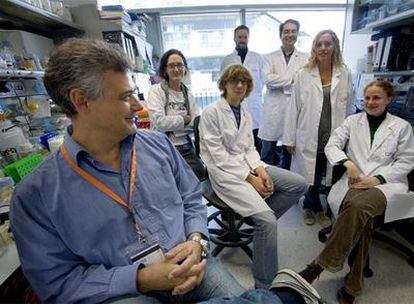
236	80
172	66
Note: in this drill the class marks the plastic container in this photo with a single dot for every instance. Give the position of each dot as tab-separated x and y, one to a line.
26	149
44	139
11	136
22	167
142	119
55	143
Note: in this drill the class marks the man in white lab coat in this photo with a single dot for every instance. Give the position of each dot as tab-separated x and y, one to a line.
254	63
279	69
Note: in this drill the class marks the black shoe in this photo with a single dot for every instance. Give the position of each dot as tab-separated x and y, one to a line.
344	297
311	272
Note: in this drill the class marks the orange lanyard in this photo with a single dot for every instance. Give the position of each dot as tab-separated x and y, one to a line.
92	180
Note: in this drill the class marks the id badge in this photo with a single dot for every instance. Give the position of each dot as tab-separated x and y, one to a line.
145	253
287	89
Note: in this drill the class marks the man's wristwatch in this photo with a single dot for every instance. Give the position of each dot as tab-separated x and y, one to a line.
205	246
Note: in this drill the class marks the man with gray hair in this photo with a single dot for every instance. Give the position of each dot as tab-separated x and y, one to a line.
114	212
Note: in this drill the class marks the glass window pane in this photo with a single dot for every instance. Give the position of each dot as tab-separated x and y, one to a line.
204	40
146	4
264	27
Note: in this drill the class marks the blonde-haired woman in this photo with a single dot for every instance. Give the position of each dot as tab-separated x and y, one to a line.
321	99
239	177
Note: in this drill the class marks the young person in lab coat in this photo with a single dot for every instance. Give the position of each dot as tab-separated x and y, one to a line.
377	150
237	174
254	63
172	107
322	98
279	69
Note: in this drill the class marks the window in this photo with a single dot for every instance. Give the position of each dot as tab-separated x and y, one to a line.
149	4
264	27
204	40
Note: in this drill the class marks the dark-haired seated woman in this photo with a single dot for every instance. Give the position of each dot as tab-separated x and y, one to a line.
172	107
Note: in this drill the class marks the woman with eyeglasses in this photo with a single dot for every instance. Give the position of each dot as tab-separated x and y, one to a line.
321	99
172	107
238	176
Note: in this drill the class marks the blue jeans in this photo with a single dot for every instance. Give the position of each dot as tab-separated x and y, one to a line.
288	188
269	153
261	296
312	200
285	159
258	296
217	283
272	154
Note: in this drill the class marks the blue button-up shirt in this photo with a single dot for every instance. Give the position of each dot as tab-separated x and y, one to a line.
72	238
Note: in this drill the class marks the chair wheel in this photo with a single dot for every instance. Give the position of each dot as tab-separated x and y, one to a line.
368	273
322	237
411	261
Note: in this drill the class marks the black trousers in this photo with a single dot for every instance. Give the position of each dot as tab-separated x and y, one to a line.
187	152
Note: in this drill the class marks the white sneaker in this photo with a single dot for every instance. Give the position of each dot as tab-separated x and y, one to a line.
291	279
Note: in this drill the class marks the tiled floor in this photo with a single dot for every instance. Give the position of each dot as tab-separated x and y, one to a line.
392	283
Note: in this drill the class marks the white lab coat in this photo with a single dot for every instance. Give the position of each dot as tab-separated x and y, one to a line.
254	63
301	129
278	79
229	154
391	155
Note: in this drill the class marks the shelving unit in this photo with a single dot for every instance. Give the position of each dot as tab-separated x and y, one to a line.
392	73
403	80
20	74
20	86
16	14
9	262
402	18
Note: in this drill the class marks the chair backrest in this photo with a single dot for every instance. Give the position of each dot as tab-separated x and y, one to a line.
196	123
410	178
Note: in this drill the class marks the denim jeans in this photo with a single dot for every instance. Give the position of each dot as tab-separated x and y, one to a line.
217	283
257	140
312	200
274	155
257	296
269	153
285	159
288	188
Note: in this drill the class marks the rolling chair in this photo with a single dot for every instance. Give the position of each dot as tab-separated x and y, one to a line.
232	231
402	227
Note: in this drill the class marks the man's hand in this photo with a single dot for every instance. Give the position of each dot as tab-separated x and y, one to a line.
189	254
259	185
366	182
291	149
267	181
168	275
155	277
352	172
